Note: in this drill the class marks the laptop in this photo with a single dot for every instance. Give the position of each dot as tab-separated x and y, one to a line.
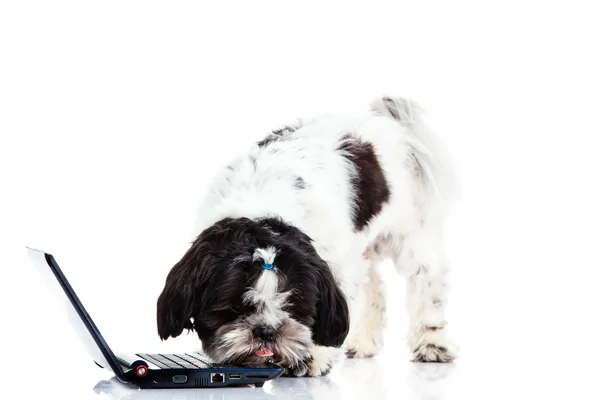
146	370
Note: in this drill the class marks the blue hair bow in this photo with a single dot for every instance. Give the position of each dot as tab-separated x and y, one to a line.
267	266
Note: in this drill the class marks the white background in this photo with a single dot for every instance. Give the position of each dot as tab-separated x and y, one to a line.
114	115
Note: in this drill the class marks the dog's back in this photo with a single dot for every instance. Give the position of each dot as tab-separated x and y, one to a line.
361	174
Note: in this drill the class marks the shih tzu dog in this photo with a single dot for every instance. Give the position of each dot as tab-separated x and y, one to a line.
291	235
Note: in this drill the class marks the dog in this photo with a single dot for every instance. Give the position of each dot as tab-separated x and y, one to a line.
285	268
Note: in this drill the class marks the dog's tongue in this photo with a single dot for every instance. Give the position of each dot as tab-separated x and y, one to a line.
264	353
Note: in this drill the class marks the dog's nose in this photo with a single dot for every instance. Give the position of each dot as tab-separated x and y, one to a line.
264	333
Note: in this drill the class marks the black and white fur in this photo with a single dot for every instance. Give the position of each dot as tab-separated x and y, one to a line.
324	201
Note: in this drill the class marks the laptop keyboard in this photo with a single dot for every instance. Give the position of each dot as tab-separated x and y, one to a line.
178	361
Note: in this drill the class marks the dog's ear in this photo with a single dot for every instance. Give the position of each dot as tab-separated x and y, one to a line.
332	320
176	304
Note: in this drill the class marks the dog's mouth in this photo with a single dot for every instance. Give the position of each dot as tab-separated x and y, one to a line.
264	352
236	345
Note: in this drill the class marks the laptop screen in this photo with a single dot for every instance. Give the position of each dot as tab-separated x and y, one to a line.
76	315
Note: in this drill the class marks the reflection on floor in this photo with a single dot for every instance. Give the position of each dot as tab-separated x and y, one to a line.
354	379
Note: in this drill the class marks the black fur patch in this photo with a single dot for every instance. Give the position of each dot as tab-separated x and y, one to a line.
207	284
277	135
369	184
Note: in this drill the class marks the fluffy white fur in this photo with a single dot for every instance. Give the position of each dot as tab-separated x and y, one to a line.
408	229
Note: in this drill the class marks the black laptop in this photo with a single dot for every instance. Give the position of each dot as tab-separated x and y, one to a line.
146	370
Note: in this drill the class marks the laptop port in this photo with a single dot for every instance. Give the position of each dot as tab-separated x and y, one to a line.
217	378
235	376
179	378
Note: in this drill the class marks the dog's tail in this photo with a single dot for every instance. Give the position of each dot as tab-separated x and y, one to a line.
429	157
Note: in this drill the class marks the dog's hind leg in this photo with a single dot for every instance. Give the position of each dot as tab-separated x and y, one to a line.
422	262
416	244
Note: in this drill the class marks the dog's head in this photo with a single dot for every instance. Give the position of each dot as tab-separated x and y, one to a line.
255	291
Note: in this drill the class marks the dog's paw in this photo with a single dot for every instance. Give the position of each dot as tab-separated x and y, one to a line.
297	370
320	363
364	346
309	368
430	344
433	346
429	352
358	353
319	368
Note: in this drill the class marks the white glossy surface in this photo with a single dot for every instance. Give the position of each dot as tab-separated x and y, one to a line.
358	379
364	379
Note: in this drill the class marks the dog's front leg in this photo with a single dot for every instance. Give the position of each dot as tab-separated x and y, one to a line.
321	361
